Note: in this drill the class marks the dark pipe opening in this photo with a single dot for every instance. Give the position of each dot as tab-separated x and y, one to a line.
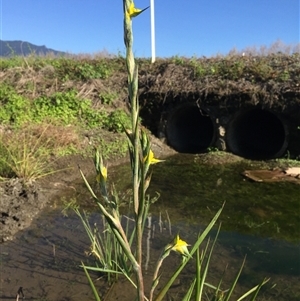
257	134
189	129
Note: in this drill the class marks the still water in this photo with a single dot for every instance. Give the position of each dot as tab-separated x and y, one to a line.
259	220
195	191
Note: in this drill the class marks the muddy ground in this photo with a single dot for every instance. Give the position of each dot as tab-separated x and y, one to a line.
20	203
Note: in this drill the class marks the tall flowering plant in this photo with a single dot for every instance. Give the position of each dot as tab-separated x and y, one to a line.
141	159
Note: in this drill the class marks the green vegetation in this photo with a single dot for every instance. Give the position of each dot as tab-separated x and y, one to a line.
25	152
64	68
112	147
127	247
258	69
59	118
108	98
109	255
14	108
67	108
88	92
24	155
62	108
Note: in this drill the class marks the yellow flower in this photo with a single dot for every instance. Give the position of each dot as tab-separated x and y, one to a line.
180	246
133	12
103	173
150	158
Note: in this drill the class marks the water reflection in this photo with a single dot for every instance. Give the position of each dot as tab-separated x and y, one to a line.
195	191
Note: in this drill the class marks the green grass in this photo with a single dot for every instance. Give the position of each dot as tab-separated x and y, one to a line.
64	68
61	108
25	156
24	151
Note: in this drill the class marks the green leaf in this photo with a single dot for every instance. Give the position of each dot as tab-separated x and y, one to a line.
228	295
254	289
97	298
200	239
188	294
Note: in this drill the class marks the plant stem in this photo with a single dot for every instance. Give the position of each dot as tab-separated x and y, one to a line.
133	90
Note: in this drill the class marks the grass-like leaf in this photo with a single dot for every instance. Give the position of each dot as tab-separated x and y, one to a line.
189	293
96	295
200	239
228	294
255	289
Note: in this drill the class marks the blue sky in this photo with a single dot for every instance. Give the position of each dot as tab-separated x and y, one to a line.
184	28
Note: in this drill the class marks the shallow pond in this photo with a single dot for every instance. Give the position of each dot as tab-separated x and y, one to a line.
195	191
259	220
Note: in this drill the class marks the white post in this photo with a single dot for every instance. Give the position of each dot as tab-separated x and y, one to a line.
152	31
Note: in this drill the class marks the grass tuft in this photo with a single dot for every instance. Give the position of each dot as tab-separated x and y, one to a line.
26	153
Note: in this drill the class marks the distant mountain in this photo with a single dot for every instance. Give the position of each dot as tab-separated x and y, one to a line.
21	48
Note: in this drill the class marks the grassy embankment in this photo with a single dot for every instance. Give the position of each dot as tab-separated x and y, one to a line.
45	113
51	107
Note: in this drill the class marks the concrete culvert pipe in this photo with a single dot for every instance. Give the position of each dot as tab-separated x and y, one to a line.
257	134
189	129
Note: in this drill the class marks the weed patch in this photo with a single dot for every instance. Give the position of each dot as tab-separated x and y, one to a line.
24	155
61	108
67	108
14	109
27	153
